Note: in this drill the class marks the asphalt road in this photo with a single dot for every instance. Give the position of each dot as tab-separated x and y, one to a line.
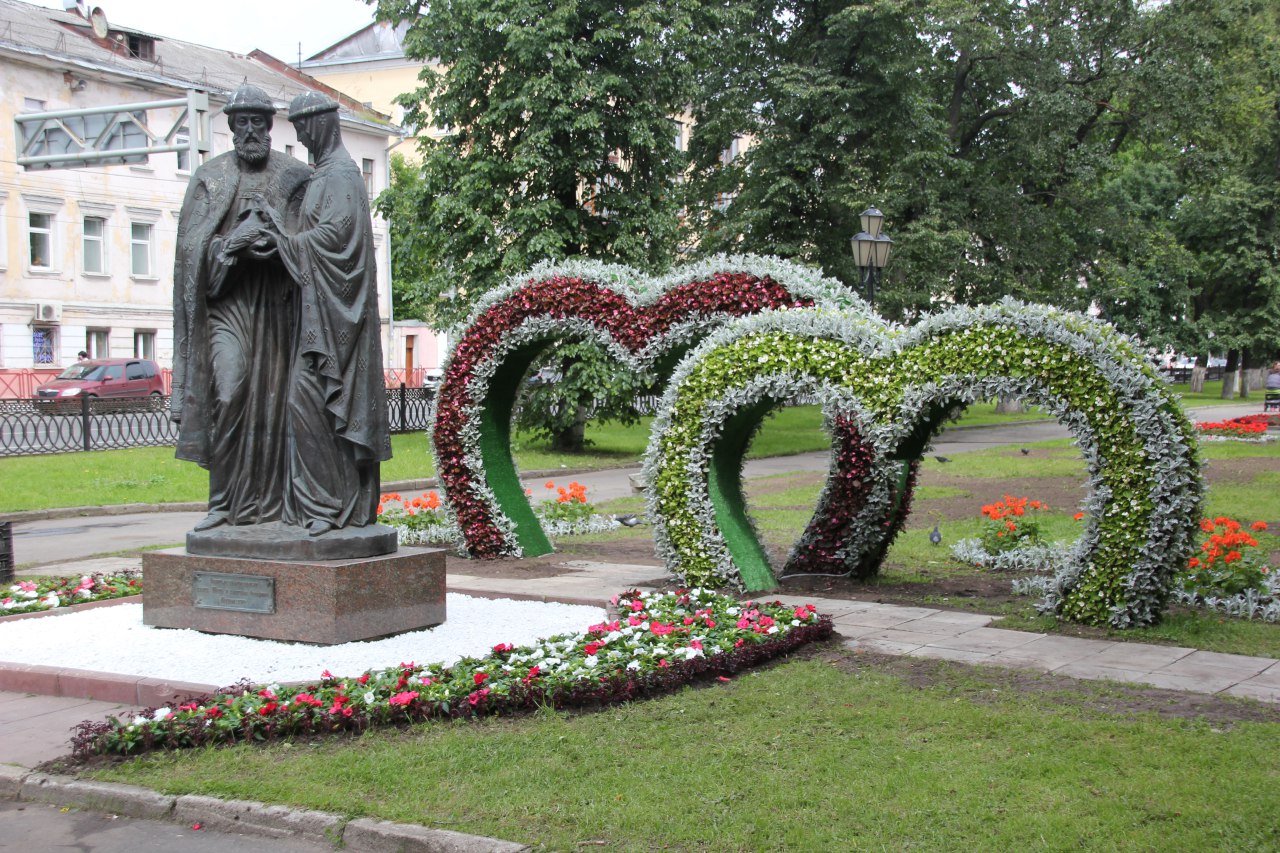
58	540
36	826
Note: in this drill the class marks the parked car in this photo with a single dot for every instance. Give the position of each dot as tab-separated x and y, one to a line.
108	378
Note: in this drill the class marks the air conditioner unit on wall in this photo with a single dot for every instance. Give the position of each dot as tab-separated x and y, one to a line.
48	312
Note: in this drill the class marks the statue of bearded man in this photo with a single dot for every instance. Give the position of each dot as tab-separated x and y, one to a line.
235	318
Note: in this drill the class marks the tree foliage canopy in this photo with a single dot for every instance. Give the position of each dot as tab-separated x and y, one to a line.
1120	154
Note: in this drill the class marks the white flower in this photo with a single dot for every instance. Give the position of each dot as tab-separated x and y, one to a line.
369	698
633	666
590	660
163	714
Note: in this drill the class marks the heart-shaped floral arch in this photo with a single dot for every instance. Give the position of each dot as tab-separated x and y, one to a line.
898	387
644	324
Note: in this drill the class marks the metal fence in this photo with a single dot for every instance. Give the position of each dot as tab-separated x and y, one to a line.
29	427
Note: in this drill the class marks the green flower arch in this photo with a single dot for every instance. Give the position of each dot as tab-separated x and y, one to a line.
900	387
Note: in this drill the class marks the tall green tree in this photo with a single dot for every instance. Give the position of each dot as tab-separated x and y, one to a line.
559	143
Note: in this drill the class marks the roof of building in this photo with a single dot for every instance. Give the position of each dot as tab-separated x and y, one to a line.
379	40
50	35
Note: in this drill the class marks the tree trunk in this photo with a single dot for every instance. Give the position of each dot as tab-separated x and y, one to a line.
1197	378
1229	374
1009	406
573	438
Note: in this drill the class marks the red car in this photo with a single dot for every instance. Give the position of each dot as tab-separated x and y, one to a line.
103	377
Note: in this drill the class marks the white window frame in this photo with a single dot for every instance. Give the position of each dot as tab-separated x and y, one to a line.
43	205
104	268
147	245
144	344
97	342
146	218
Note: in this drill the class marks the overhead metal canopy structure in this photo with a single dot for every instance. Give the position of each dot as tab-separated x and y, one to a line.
98	136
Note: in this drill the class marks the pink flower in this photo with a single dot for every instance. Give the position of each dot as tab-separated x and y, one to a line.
404	698
503	647
475	697
659	629
637	606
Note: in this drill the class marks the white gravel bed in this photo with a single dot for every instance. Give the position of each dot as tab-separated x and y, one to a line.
113	639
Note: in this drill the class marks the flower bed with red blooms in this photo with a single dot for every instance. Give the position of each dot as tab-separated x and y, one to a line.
637	321
1245	429
1229	561
33	595
1264	418
656	643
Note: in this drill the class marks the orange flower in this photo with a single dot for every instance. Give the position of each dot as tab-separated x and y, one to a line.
550	484
1078	516
1258	525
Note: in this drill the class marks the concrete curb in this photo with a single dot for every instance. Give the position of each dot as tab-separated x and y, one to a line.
243	816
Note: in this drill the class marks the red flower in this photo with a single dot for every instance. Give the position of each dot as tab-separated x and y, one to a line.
404	698
481	678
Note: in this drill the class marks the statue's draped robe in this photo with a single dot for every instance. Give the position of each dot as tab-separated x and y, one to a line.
234	329
337	402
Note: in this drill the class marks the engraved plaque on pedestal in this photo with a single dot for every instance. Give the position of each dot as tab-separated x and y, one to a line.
222	591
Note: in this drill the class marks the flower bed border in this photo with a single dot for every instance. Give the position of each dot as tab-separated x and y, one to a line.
399	695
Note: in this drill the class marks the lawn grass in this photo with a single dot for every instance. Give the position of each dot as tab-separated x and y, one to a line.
1211	395
152	475
811	754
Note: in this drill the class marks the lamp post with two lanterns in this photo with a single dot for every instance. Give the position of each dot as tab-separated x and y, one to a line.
871	249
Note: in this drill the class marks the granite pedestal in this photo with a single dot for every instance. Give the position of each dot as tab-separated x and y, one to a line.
325	602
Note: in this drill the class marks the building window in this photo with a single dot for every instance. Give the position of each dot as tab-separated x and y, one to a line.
366	167
95	247
140	245
40	238
144	345
97	342
288	149
183	137
679	135
43	344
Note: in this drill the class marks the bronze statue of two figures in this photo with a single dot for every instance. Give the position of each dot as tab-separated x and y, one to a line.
277	377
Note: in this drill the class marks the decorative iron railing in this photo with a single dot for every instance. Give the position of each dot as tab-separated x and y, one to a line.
30	427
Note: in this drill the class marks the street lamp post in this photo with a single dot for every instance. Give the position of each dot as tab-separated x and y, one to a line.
871	249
